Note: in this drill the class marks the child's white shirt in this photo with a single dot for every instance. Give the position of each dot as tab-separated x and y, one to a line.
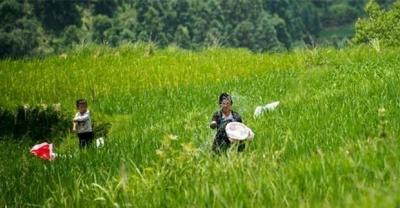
84	123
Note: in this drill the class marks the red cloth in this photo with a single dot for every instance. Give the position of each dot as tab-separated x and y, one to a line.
43	151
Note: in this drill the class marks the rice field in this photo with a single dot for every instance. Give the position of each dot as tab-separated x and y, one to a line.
332	142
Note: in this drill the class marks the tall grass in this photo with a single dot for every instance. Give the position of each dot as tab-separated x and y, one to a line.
322	147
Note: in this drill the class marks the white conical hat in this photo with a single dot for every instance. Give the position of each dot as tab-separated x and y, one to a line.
238	131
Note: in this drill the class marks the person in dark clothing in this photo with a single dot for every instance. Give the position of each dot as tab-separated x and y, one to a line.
219	121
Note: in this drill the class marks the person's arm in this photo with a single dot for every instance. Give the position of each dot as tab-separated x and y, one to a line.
74	126
80	118
213	123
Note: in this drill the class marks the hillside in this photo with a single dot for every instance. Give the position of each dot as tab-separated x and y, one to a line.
42	27
333	141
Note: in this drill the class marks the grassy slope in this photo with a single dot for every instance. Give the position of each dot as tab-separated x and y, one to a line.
321	147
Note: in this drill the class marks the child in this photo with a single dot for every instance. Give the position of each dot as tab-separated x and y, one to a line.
82	124
219	121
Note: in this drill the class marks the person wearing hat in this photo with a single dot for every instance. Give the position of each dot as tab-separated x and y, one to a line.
219	121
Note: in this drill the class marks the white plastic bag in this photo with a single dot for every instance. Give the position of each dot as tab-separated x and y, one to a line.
269	107
100	142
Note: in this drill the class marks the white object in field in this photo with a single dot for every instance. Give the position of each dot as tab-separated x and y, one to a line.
269	107
100	142
238	131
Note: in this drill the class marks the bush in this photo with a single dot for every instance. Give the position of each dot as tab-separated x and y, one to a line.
36	123
101	24
380	25
22	40
41	122
6	122
342	14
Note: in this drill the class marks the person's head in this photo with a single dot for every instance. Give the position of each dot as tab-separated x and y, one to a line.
225	102
81	105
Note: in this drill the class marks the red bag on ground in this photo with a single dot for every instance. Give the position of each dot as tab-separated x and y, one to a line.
43	151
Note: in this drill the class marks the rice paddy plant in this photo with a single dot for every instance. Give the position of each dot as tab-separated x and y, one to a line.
333	141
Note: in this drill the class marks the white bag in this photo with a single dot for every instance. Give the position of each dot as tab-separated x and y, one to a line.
269	107
100	142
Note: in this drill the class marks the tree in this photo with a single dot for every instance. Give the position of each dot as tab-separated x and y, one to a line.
19	34
55	15
214	35
339	14
101	24
281	31
266	35
182	37
123	27
243	35
385	3
311	19
72	35
259	25
379	25
20	41
10	12
104	7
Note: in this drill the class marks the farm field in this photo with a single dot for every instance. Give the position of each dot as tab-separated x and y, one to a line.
332	142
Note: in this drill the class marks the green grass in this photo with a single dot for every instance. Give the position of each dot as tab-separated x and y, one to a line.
321	147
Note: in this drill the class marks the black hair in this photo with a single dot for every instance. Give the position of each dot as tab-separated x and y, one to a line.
225	96
81	101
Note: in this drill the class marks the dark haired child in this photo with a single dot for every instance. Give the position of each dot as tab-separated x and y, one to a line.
219	121
83	124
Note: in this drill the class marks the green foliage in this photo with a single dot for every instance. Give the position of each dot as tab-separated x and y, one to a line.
55	15
10	11
41	122
101	129
259	25
101	24
34	123
104	7
343	13
6	122
333	141
21	40
267	37
339	14
19	33
385	3
182	37
72	35
281	31
379	24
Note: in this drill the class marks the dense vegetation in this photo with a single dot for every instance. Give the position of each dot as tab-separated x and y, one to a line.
47	26
34	122
333	141
380	26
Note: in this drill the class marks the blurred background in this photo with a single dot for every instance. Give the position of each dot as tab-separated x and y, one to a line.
40	27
